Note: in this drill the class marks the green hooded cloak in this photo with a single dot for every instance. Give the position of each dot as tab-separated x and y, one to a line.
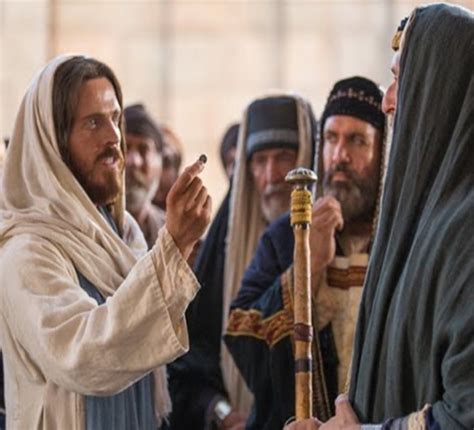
415	338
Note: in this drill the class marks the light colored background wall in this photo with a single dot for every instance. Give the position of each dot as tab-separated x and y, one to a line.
196	64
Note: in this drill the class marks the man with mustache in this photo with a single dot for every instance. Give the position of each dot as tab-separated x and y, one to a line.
89	317
276	134
260	329
143	170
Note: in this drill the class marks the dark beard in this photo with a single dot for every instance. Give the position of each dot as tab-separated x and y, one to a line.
100	194
357	196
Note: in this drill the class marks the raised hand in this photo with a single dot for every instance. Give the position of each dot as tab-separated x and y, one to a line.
326	219
188	208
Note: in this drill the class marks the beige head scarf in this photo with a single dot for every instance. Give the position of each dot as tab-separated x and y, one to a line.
40	196
246	224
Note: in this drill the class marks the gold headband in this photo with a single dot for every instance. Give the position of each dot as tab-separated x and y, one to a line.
397	37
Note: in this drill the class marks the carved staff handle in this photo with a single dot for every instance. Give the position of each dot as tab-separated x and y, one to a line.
301	211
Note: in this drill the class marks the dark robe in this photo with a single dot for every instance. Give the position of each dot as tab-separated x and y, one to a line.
415	337
260	335
195	379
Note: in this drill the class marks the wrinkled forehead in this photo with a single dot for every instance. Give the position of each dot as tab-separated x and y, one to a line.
273	152
96	94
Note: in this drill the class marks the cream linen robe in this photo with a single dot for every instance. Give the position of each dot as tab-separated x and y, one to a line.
58	343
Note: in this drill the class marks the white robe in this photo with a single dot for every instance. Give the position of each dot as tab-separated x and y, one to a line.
58	343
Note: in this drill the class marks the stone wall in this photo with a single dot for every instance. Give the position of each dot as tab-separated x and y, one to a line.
196	64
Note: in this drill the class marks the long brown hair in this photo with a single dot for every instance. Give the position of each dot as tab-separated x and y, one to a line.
68	79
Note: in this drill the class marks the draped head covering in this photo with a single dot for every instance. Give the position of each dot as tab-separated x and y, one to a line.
246	222
358	97
414	342
40	196
271	123
39	192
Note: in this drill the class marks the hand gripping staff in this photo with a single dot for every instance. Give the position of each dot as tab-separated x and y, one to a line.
301	211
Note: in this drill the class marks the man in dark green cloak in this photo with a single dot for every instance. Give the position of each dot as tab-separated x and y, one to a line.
413	362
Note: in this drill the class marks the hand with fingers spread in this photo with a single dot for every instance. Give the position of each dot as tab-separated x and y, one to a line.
326	219
188	210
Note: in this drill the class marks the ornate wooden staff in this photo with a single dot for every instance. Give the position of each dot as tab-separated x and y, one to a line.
301	211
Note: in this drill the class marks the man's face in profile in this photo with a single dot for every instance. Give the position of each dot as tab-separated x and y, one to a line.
389	102
96	159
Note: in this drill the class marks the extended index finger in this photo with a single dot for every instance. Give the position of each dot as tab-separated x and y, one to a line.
189	173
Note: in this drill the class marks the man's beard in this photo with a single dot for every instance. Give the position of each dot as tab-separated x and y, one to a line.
357	196
138	191
275	201
107	191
